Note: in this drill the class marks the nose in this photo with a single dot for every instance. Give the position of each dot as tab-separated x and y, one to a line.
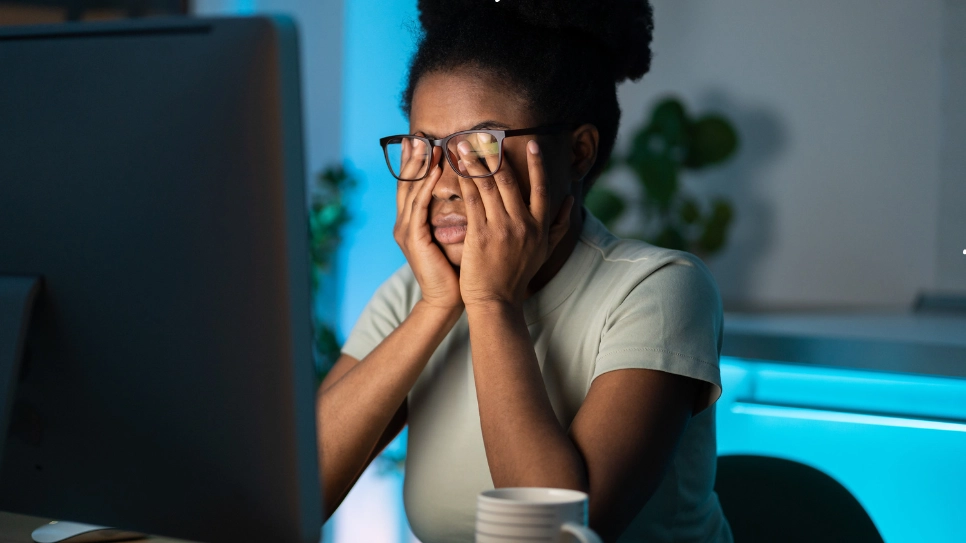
448	186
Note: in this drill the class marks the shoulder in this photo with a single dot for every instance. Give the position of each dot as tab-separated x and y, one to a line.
629	266
657	309
387	309
397	294
390	304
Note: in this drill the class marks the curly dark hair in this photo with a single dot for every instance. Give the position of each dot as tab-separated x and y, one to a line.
565	56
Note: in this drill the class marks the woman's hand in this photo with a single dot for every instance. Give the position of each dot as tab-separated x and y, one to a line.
437	279
506	241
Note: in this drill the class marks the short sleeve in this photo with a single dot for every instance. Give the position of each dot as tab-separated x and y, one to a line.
671	321
388	308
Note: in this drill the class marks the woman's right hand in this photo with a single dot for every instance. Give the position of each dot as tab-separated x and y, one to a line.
437	279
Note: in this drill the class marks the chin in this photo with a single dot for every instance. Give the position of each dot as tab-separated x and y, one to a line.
454	253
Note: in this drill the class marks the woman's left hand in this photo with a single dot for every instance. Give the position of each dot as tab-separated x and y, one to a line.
506	241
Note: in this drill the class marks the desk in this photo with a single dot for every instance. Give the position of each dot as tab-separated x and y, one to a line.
929	344
876	401
17	529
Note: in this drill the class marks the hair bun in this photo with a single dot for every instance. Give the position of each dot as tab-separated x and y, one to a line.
623	27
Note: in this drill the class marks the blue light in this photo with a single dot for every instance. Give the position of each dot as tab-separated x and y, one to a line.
897	442
837	416
379	39
244	7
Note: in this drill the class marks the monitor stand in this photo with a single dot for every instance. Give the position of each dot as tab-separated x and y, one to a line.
57	531
17	295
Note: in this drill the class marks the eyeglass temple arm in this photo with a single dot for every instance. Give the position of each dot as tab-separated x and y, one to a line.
551	129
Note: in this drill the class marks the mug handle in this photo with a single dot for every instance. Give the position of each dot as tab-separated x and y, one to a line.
582	533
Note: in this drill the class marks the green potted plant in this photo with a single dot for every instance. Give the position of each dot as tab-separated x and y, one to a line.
671	142
327	215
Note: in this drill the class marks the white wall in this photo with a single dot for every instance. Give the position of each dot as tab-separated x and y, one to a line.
837	183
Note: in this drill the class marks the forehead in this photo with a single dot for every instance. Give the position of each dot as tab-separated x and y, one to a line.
447	102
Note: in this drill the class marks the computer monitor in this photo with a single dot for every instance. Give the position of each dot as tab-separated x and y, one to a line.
152	179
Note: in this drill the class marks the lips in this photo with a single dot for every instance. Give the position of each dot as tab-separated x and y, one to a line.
449	228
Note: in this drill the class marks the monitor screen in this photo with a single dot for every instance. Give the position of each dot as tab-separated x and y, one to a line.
152	183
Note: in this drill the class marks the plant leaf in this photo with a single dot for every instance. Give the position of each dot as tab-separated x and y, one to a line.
716	227
690	211
659	175
671	121
327	348
647	142
713	140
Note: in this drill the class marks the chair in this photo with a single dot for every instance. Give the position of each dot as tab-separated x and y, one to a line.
773	500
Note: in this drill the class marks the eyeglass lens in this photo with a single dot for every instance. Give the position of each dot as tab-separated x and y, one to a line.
483	149
409	157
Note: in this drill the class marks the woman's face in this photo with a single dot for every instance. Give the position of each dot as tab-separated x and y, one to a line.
448	102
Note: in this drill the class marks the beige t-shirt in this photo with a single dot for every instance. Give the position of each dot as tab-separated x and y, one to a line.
615	304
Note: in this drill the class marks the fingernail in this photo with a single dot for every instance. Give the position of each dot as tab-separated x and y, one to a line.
461	165
464	147
533	148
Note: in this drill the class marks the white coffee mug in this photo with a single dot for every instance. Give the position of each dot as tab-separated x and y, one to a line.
535	515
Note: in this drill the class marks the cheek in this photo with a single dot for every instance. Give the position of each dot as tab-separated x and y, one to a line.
554	169
521	172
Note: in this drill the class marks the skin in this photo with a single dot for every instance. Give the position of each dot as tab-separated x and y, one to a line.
484	246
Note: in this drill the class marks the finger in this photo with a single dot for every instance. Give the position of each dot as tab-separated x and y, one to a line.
510	194
404	198
407	150
487	148
473	203
400	198
423	197
404	188
416	188
400	193
539	191
491	199
413	162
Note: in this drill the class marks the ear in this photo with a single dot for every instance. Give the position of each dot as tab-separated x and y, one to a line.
583	148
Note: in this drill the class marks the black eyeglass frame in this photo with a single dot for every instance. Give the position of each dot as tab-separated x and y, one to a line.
498	135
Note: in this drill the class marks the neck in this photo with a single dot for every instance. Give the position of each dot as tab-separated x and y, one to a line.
560	253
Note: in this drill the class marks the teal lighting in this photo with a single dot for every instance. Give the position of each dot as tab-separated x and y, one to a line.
836	416
897	442
379	40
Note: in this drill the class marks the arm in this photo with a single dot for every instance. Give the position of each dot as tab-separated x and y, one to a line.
361	405
396	425
525	444
629	425
619	443
627	431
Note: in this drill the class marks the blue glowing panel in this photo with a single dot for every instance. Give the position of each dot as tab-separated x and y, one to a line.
897	442
379	40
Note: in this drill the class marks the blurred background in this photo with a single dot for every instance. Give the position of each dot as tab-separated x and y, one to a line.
845	188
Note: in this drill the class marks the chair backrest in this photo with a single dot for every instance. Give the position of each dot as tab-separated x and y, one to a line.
770	499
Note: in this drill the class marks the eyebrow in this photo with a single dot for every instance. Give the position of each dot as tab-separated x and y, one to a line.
484	125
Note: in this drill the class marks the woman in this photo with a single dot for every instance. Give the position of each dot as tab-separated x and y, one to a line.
523	344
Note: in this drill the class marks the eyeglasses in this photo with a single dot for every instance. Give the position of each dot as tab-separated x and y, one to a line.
409	157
